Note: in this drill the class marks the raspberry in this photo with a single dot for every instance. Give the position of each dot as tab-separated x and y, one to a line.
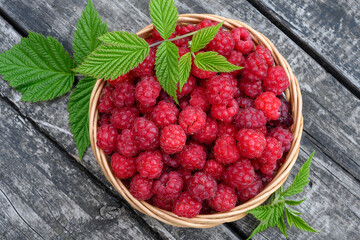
169	186
104	119
225	150
255	68
106	104
149	164
206	209
263	51
266	178
162	203
126	144
262	129
141	187
284	136
239	175
123	118
272	151
285	119
225	112
268	168
203	24
147	90
143	109
254	189
170	161
172	139
199	99
251	143
192	119
124	94
183	51
186	176
123	167
197	72
192	157
127	77
276	81
207	134
223	43
187	88
250	118
146	68
107	91
220	89
146	134
255	163
163	96
182	30
202	186
213	169
227	128
164	114
186	206
251	89
184	101
245	102
237	59
224	199
243	40
269	104
106	138
156	35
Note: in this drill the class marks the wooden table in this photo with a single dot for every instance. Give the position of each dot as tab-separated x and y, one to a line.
47	193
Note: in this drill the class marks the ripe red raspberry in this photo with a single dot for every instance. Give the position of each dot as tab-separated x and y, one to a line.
203	24
199	99
163	96
106	105
266	53
224	199
251	89
186	176
169	186
254	189
239	175
197	72
225	150
262	129
225	112
124	94
266	178
182	30
187	88
147	91
220	89
164	114
183	51
127	77
172	139
156	35
141	187
162	203
285	119
145	133
238	59
223	43
251	143
126	144
123	118
106	138
243	40
144	110
268	168
250	118
123	167
146	68
214	169
202	186
276	81
269	104
272	151
104	119
186	206
192	119
255	68
107	90
171	161
149	164
284	136
245	102
207	134
184	101
192	157
255	163
227	128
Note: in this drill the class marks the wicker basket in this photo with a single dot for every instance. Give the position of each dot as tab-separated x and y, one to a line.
293	94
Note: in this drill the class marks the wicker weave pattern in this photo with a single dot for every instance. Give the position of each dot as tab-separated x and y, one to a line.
293	94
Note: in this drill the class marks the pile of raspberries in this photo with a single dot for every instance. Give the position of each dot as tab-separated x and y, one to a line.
218	148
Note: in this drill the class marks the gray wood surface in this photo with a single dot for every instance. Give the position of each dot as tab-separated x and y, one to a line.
331	119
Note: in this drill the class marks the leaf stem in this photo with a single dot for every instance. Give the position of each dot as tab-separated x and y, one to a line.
173	39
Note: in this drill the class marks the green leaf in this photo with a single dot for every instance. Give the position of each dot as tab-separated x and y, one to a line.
164	16
88	29
260	228
78	108
301	179
294	202
282	227
123	52
38	67
203	37
166	66
298	222
184	69
212	61
269	213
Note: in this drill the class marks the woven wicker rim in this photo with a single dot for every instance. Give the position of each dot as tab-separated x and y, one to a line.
293	95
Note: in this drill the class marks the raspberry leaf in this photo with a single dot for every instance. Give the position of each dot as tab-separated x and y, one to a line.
282	227
120	53
298	222
166	66
294	202
269	213
204	36
89	28
212	61
184	69
38	67
78	108
260	228
164	16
